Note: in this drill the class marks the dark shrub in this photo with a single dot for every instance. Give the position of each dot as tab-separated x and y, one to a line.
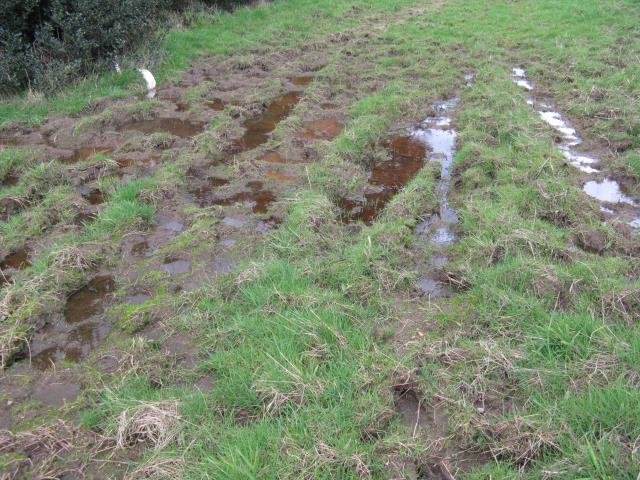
47	43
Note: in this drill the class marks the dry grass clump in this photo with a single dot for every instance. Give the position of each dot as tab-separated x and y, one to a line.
159	469
325	457
624	304
42	452
156	424
520	439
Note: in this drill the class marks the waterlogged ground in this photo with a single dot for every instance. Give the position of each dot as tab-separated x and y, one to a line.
345	240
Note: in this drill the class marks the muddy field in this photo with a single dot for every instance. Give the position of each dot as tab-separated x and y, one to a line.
376	253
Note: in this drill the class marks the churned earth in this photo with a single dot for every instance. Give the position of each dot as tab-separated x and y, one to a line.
356	239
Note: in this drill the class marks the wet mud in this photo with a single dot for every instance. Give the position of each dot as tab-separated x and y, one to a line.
15	261
82	328
257	129
174	126
615	204
323	129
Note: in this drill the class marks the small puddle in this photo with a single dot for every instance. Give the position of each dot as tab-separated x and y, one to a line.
519	77
257	130
10	180
386	178
271	157
256	198
216	104
82	153
175	267
279	176
323	129
301	80
174	126
92	195
607	191
83	328
17	260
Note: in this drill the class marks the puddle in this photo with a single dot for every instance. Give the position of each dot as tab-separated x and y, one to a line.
635	223
301	80
82	153
257	130
140	249
555	121
16	260
222	264
271	157
279	176
216	104
324	129
407	158
55	393
431	287
176	267
167	223
234	222
83	328
607	191
256	198
92	195
581	162
175	126
10	180
519	77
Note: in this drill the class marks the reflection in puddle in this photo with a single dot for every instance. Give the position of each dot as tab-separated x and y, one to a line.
82	153
10	180
176	267
607	191
216	104
519	77
386	178
256	198
271	157
323	129
83	329
279	176
175	126
302	80
92	195
16	260
257	130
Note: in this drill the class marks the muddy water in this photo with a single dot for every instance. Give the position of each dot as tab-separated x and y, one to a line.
82	153
257	130
256	197
83	328
16	260
174	126
92	195
302	80
604	189
386	178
